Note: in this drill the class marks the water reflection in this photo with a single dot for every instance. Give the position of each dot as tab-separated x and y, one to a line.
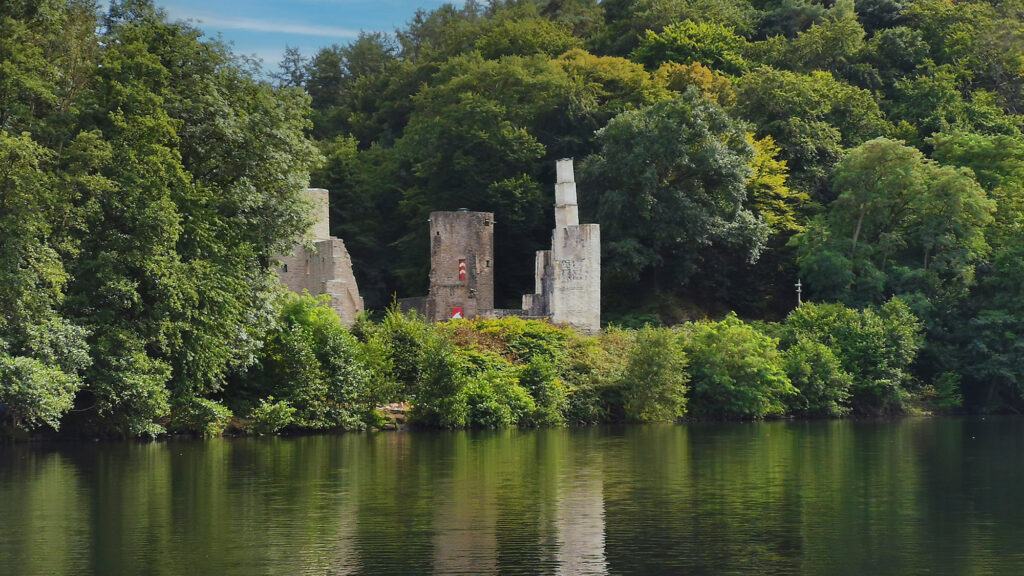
936	496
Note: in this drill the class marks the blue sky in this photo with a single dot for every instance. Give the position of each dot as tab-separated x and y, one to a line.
263	27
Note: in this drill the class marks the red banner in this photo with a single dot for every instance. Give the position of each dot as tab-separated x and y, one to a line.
457	313
462	269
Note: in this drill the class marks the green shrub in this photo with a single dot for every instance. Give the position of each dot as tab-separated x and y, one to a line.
654	379
270	416
943	394
495	400
592	372
876	346
737	372
476	361
527	338
823	385
200	416
404	336
33	393
382	386
312	362
540	379
439	399
376	418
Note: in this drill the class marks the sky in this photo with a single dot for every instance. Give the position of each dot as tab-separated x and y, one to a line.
263	28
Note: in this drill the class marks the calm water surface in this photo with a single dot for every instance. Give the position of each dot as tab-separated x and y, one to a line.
918	496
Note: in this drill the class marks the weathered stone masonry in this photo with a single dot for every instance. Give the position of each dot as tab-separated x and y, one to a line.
567	277
461	266
324	269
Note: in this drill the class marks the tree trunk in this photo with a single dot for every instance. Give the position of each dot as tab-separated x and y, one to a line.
856	233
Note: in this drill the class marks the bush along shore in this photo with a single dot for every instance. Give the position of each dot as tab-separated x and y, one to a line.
313	374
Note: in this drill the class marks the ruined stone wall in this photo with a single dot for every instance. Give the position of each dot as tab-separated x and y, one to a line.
576	283
321	211
461	264
538	303
320	264
339	281
568	277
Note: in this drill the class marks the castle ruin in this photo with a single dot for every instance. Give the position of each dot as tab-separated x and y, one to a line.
567	276
320	264
461	266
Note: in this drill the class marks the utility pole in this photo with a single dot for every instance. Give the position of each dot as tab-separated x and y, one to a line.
799	292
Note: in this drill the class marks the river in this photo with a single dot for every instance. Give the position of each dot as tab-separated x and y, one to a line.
912	496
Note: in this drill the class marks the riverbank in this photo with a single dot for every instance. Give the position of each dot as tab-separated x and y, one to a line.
313	374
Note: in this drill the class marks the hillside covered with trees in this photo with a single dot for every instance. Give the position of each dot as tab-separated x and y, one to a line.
873	150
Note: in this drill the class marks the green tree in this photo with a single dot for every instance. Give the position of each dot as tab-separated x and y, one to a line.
983	41
712	45
787	18
901	224
512	36
442	33
897	53
712	85
162	231
350	84
833	45
988	348
292	69
627	21
600	88
769	195
474	141
42	353
934	102
989	322
812	117
669	180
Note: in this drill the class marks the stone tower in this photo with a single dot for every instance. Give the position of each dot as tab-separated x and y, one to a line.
568	277
326	267
461	265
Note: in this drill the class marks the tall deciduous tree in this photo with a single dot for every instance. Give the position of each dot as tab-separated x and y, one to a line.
901	224
42	354
670	181
812	117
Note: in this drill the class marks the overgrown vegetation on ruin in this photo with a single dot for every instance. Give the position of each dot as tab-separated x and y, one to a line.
726	147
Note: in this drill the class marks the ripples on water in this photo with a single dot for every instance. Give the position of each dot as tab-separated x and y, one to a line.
936	496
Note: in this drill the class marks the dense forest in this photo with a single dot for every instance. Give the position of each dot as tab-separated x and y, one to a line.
727	148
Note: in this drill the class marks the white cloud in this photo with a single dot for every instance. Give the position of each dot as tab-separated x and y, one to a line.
214	22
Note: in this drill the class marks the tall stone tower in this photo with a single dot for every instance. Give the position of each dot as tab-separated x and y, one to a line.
461	265
324	269
568	277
